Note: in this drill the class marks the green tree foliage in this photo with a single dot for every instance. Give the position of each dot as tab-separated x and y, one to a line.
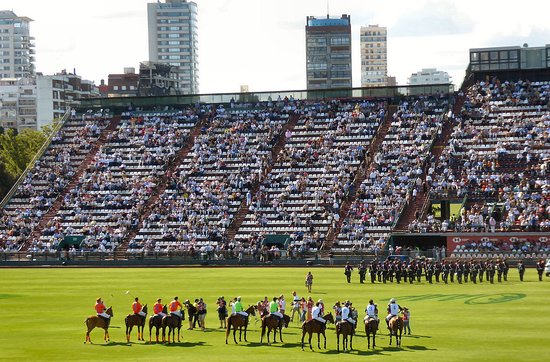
6	181
17	149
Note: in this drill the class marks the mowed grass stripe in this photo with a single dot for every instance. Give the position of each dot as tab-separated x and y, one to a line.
42	313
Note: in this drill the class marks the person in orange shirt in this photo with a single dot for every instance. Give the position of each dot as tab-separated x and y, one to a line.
100	309
175	307
158	307
137	307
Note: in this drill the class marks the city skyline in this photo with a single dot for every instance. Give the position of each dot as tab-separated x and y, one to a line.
262	44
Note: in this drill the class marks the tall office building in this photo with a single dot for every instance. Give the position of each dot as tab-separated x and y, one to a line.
374	56
328	52
16	47
173	40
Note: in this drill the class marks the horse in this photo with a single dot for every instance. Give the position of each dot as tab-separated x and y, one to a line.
156	322
172	322
396	325
271	322
345	329
371	326
238	321
132	320
99	322
314	326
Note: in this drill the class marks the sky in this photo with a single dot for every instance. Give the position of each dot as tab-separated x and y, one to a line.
262	43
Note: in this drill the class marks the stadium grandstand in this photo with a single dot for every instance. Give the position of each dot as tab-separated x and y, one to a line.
291	175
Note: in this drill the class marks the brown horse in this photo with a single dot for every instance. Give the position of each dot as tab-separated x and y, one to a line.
155	321
238	321
396	325
132	320
173	323
345	329
314	326
371	326
99	322
272	323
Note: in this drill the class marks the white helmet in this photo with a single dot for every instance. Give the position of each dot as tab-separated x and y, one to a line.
392	300
320	301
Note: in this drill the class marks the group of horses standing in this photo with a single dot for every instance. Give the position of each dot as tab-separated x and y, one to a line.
270	323
171	322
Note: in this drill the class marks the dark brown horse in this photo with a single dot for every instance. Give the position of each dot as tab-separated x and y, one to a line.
155	321
132	320
272	323
238	321
345	329
173	323
314	326
371	326
94	321
396	329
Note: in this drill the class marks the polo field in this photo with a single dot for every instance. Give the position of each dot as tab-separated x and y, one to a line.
42	314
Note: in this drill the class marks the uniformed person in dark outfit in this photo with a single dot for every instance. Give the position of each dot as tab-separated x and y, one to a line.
473	272
505	268
459	272
438	270
372	271
362	271
521	270
540	269
491	271
466	270
481	268
446	270
347	271
500	269
430	271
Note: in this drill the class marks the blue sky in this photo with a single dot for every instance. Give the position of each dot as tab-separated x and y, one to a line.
262	43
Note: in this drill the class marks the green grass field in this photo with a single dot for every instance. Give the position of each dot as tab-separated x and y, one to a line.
42	313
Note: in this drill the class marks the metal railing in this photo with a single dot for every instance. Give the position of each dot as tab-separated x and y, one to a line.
36	157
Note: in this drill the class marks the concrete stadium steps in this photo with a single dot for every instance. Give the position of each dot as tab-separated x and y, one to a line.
50	214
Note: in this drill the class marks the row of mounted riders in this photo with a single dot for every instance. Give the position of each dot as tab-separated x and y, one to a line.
270	322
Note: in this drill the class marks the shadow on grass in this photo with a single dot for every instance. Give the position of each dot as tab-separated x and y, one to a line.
186	344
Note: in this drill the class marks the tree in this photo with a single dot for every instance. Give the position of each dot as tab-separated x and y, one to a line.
17	149
6	181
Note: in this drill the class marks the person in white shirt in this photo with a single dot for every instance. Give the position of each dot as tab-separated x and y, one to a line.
346	314
372	311
393	311
316	313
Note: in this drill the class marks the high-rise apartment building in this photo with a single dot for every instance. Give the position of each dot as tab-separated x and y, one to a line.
429	76
328	52
374	56
173	40
16	47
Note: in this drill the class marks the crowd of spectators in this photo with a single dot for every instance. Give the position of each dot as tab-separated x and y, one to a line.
313	174
48	177
394	176
109	197
231	154
498	155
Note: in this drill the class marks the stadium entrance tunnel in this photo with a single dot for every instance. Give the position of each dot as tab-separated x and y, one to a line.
423	241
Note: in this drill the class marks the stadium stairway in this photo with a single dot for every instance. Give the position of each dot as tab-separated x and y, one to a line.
359	178
56	205
420	203
162	184
243	209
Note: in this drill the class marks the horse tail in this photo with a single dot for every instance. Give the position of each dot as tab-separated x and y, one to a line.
228	328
